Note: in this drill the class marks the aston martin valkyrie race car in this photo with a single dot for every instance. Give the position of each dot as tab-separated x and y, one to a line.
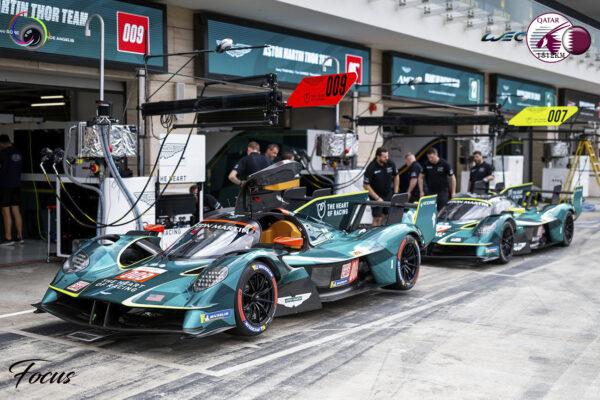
497	226
238	270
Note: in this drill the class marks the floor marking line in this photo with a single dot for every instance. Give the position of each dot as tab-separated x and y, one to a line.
313	343
17	313
168	364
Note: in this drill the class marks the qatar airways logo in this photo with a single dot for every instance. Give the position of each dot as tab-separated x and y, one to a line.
551	38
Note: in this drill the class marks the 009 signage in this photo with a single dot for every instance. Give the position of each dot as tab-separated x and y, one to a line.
291	55
131	30
440	83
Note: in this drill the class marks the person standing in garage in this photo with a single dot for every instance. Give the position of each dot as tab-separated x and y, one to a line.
249	164
11	162
435	174
272	151
414	170
481	172
379	175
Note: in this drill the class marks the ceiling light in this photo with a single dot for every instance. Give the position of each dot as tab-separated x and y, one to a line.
58	96
62	103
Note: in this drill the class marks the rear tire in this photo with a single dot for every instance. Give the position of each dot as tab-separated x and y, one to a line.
408	264
568	230
507	243
255	300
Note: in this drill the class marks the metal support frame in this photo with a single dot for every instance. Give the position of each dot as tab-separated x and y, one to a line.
141	75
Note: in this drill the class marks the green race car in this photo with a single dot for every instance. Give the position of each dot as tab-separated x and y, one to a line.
240	269
497	226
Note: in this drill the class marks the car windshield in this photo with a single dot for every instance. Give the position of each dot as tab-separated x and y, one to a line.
465	210
214	238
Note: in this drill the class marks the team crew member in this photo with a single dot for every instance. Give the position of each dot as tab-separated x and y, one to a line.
272	151
249	164
11	162
414	169
435	174
209	202
378	181
482	171
288	155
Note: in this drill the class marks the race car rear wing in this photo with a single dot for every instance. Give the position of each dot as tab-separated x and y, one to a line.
576	199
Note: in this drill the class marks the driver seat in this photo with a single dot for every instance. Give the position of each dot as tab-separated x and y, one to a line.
280	228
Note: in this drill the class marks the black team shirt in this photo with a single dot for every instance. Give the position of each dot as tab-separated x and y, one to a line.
380	178
436	175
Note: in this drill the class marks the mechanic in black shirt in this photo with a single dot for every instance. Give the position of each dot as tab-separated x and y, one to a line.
11	162
209	202
378	181
414	169
435	173
482	171
249	164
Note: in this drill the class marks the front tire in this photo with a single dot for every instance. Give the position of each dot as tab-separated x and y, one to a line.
408	264
568	230
507	243
255	300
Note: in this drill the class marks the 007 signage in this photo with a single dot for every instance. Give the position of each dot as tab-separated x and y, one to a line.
132	33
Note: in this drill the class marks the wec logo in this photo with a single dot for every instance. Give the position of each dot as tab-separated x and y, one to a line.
505	37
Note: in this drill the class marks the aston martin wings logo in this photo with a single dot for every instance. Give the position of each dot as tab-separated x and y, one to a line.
406	69
147	198
169	150
236	53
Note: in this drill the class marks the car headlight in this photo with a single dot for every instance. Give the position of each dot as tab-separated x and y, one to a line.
210	277
485	229
77	262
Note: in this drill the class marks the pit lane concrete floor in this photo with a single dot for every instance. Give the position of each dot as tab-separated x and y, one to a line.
529	329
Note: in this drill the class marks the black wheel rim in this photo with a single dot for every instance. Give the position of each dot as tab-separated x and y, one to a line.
569	228
408	263
258	298
507	242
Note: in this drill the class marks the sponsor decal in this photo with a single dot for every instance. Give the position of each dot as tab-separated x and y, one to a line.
263	268
471	203
505	37
255	329
119	285
215	315
345	270
226	226
353	271
293	301
321	209
519	246
155	297
492	250
339	282
551	38
442	227
32	32
456	239
77	286
141	274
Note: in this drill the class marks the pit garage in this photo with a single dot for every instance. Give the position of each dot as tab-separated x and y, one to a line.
280	200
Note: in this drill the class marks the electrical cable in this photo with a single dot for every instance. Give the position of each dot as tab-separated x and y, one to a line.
35	191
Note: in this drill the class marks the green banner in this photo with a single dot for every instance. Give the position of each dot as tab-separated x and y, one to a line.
515	95
438	83
291	56
130	29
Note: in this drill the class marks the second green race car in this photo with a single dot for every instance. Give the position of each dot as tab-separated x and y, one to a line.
498	226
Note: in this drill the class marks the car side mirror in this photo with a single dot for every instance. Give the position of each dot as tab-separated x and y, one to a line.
294	243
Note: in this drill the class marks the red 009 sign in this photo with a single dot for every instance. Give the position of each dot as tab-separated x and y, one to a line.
132	33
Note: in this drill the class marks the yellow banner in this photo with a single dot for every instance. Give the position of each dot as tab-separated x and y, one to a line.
542	116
